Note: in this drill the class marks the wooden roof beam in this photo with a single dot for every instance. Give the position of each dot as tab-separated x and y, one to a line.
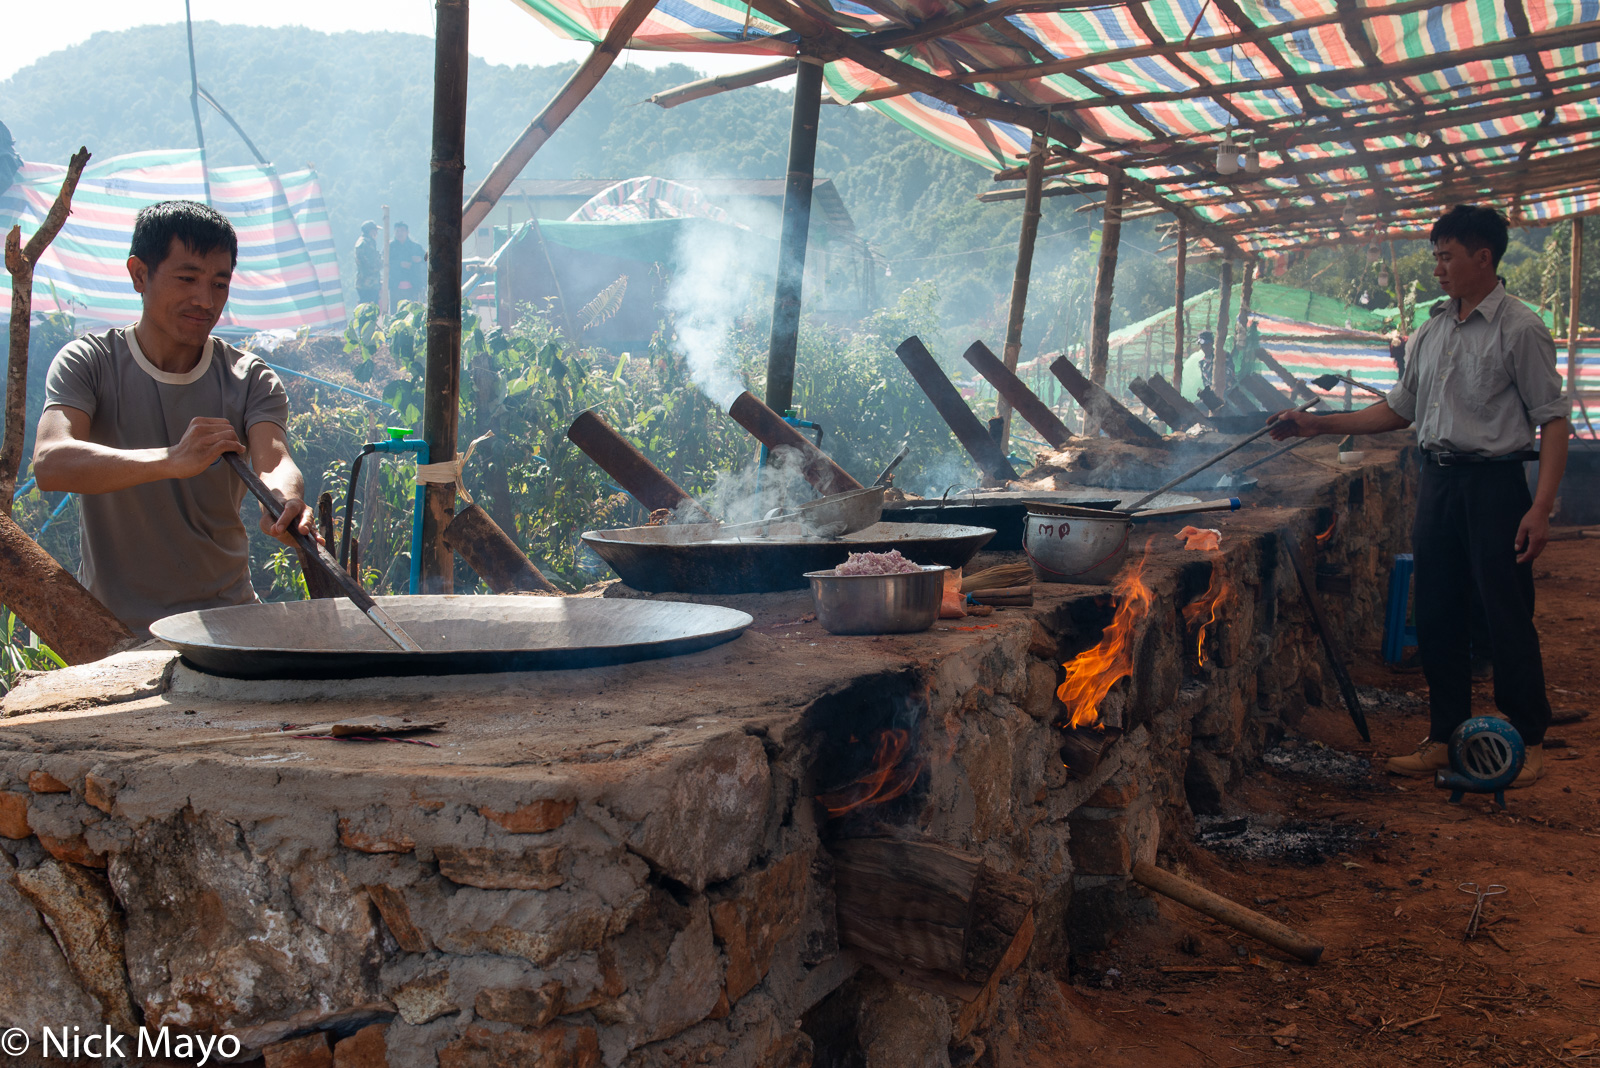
722	83
838	44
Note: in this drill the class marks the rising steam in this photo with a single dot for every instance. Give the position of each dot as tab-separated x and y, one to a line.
716	266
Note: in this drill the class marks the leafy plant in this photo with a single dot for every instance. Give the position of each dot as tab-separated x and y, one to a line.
21	650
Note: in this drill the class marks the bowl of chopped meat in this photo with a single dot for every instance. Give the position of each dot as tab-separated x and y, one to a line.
877	593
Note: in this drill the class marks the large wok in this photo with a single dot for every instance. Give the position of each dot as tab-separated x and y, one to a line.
682	559
331	639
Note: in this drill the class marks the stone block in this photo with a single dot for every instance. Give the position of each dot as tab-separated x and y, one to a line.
526	1008
1041	700
37	986
1042	644
536	817
1100	847
367	1048
765	910
501	869
73	850
396	915
673	970
548	1047
374	832
14	815
1144	832
100	792
42	782
424	998
79	910
306	1051
1205	782
1119	791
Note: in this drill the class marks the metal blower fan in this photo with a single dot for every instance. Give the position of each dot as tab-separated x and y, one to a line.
1486	755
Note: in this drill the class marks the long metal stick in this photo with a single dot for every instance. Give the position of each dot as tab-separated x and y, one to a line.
1187	475
313	550
1269	457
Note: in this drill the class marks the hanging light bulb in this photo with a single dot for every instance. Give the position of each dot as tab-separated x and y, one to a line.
1350	216
1227	156
1383	277
1252	159
1374	253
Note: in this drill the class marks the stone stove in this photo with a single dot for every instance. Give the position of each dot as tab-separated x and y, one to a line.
626	865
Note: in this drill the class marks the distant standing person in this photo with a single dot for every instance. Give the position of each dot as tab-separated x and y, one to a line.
406	273
369	264
1479	382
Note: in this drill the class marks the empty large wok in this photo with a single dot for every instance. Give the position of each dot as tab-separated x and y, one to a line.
684	559
331	639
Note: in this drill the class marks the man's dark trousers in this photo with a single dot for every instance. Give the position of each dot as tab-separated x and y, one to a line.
1466	526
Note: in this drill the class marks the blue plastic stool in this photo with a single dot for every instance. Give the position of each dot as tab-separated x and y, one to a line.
1399	625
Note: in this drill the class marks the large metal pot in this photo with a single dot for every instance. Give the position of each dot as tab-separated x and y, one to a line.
878	604
1080	549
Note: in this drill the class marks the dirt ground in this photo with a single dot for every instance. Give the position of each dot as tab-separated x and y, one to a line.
1370	865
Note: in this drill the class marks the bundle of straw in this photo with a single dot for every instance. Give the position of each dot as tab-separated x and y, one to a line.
996	578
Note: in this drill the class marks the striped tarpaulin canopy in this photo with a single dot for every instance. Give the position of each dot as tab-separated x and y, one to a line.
288	274
1365	115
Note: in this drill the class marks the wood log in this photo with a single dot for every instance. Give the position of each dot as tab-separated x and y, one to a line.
946	400
1176	418
634	472
53	604
1297	388
325	518
1269	397
1016	392
930	915
1229	912
1241	401
1216	404
769	428
490	552
1082	748
1174	398
1104	410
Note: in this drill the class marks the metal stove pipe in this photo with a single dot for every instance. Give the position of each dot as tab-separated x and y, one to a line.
648	484
769	428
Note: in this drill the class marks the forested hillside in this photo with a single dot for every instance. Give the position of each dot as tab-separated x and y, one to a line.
357	105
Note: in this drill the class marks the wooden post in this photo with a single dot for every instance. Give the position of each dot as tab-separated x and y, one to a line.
442	382
1019	280
548	121
796	225
383	293
1574	361
1104	281
1246	290
1177	308
1219	346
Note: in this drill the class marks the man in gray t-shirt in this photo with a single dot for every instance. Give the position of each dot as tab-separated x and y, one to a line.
136	421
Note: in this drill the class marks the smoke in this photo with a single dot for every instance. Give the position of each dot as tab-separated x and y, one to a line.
717	265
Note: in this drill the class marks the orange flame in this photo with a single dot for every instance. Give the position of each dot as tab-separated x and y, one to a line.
1322	539
1209	605
1092	673
890	775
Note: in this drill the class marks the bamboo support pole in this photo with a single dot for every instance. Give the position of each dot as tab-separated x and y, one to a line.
1019	280
1246	291
1229	912
785	339
1219	349
383	292
442	378
560	108
722	83
1574	297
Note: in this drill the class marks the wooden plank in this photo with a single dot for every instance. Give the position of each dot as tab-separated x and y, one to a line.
1297	388
1027	403
1216	404
1173	417
493	555
1177	401
1102	408
1241	401
946	399
1270	398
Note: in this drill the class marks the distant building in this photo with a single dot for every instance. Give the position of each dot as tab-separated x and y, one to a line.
586	257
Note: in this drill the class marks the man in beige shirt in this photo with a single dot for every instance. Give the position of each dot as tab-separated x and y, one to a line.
1480	380
136	421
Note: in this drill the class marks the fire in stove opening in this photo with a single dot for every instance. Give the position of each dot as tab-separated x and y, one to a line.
1092	673
893	771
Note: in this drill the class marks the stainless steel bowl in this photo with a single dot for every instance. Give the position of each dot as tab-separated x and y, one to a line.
878	604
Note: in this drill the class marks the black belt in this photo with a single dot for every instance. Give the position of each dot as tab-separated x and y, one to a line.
1463	459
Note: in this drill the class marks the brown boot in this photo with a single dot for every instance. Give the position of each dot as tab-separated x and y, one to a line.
1532	768
1430	757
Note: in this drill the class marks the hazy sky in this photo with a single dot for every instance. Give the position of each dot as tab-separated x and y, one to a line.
502	31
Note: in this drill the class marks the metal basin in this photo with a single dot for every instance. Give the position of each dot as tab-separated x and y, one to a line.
878	604
1086	547
660	559
332	639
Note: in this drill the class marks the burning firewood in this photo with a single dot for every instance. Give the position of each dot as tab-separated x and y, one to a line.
1092	673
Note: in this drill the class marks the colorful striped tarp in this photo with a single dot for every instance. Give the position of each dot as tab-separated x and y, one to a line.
1367	116
288	274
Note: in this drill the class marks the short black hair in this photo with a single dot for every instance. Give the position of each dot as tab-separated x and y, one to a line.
200	227
1475	226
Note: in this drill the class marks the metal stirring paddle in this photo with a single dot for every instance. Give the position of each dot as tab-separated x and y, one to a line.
314	550
1492	890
